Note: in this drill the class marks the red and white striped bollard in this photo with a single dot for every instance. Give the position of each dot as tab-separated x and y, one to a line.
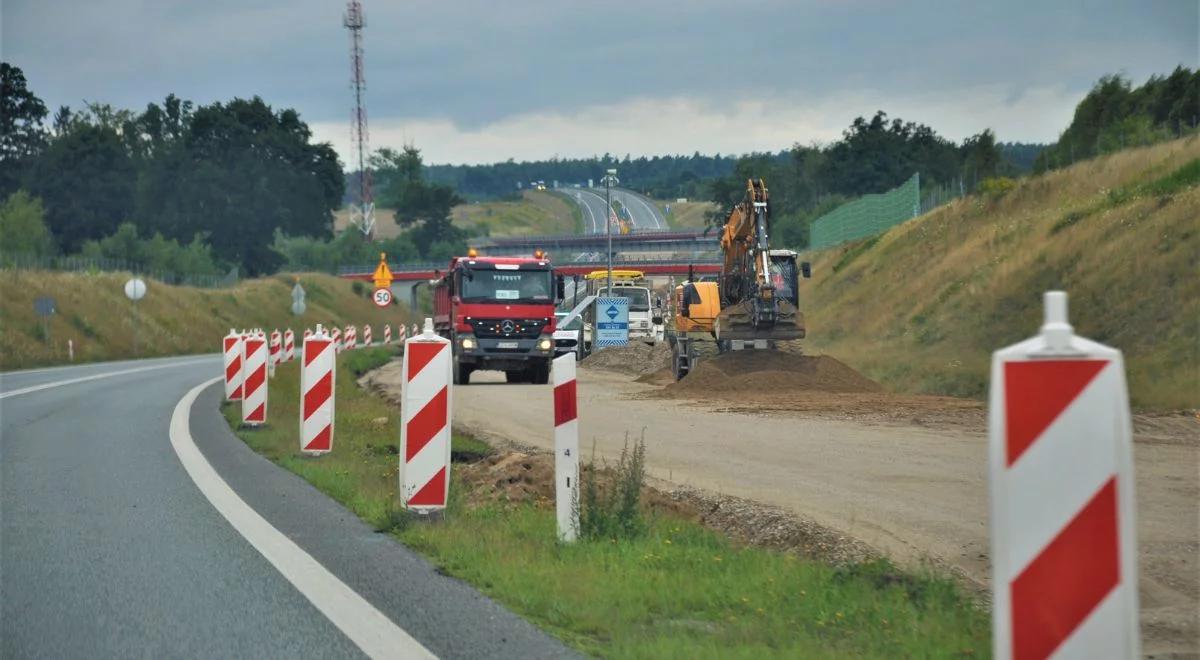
318	381
232	343
1064	550
275	354
425	428
289	345
336	336
387	333
366	335
351	336
254	379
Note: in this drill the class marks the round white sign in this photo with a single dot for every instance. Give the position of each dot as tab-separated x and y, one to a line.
383	297
135	289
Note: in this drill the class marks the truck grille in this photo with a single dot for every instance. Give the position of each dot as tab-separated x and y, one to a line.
508	328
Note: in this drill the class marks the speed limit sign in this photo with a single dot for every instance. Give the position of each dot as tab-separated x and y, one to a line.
383	297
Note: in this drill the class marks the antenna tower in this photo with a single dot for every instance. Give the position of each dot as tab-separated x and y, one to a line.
362	214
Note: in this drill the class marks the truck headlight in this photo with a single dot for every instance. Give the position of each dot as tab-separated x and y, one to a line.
468	343
545	343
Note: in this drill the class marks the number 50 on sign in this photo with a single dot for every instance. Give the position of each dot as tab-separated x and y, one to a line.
383	297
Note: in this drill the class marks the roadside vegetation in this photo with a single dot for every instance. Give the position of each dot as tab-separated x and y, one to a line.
93	313
921	307
648	585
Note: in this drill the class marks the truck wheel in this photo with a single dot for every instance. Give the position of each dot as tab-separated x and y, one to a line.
540	374
462	373
521	376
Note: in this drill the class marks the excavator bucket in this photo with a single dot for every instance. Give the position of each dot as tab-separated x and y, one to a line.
753	320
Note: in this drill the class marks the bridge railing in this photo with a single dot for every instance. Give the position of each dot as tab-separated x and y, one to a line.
598	262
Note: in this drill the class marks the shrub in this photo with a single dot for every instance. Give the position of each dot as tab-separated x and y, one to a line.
997	186
616	513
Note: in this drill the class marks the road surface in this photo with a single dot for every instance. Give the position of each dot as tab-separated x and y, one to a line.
643	213
121	536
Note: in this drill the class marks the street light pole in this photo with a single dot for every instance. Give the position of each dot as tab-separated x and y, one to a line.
610	179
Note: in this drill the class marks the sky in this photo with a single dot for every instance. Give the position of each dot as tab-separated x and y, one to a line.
476	81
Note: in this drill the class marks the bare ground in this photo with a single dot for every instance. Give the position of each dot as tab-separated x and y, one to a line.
862	472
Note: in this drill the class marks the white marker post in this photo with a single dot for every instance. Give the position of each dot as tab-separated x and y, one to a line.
1064	550
566	448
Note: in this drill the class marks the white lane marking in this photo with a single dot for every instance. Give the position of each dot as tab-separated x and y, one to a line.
653	215
84	379
374	633
588	207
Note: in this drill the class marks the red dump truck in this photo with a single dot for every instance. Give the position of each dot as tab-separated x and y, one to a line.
499	314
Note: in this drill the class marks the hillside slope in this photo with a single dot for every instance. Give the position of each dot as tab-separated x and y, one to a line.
922	307
94	313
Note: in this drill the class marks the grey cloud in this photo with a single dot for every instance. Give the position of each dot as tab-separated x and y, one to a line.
478	62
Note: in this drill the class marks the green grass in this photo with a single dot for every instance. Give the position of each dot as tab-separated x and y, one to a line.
676	591
536	213
95	315
921	307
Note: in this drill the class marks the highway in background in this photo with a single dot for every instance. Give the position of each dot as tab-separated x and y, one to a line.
112	543
643	213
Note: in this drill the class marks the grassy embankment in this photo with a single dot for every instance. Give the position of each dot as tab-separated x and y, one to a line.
922	307
678	591
94	313
538	213
688	215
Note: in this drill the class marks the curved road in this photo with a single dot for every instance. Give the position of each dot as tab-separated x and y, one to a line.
644	214
133	523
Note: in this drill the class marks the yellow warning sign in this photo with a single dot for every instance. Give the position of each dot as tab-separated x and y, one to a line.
383	274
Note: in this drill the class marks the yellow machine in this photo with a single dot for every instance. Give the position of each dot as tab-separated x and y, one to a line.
754	302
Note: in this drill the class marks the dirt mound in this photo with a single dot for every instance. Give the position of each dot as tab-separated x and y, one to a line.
636	359
770	371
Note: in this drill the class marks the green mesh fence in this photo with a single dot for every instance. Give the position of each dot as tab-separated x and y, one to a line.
868	215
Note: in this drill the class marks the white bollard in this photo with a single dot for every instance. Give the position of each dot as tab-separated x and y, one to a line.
1064	551
425	428
566	448
289	345
318	382
254	380
71	350
232	345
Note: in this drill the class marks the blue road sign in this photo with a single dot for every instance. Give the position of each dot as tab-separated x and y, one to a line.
614	331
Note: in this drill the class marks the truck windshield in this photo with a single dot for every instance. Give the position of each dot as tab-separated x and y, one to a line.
515	285
639	299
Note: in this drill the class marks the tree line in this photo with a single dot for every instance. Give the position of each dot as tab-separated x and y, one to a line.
1115	115
206	187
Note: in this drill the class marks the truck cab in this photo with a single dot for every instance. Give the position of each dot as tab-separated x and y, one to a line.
498	312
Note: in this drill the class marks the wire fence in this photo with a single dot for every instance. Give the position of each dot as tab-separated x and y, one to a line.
868	215
105	265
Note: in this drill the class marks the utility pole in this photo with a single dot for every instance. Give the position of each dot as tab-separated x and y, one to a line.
610	180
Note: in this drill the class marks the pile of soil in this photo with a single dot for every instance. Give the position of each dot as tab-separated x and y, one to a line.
770	371
636	359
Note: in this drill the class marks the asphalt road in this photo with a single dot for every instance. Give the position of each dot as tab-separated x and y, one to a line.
109	549
645	216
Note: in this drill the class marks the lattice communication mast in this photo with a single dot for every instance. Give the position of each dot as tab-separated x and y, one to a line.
362	214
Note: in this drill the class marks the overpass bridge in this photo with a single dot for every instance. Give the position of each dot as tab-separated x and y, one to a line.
424	271
662	241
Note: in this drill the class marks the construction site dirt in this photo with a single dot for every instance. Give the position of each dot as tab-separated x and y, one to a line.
905	476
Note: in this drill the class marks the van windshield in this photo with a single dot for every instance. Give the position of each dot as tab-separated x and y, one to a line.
639	298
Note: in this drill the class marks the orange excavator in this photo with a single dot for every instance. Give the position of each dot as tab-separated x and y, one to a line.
754	303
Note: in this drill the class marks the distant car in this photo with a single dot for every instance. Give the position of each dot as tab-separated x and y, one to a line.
567	338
